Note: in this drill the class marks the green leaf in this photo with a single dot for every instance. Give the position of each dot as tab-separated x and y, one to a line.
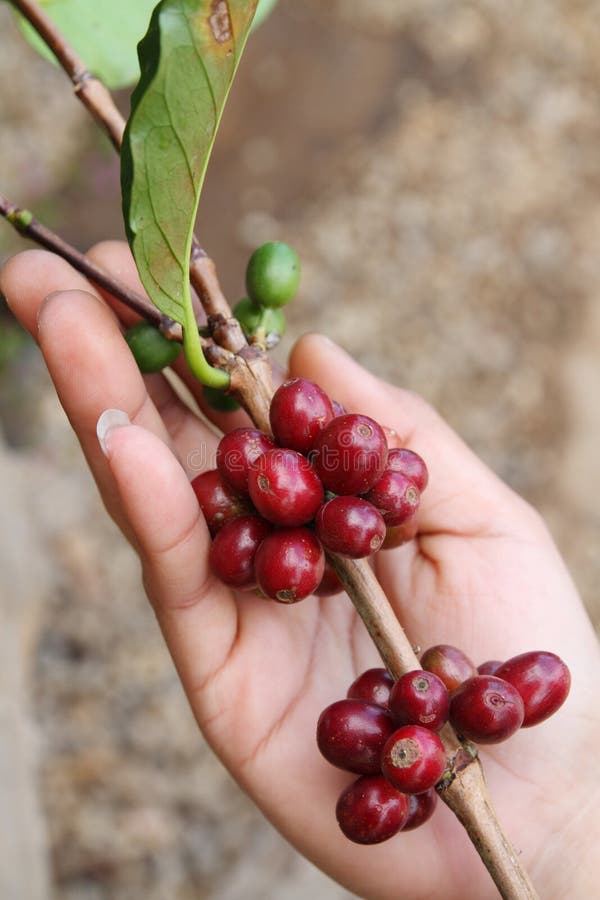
188	59
103	32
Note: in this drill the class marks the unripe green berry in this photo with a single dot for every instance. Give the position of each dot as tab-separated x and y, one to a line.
248	315
219	400
273	274
263	324
151	349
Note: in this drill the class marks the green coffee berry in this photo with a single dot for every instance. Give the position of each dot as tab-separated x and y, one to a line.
262	324
248	315
273	274
151	349
219	400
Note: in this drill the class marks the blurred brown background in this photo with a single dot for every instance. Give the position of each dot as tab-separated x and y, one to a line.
436	165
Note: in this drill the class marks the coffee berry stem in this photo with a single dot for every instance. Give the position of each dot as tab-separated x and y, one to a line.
469	799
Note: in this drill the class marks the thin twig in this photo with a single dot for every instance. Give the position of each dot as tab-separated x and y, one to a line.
226	329
94	95
24	222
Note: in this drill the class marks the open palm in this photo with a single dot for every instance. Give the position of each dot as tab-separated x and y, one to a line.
483	574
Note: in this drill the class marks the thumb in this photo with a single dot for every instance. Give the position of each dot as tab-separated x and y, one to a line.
463	495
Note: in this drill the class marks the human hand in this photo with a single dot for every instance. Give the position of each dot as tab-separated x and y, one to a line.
483	574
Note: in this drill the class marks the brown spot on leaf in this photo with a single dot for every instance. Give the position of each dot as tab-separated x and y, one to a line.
219	21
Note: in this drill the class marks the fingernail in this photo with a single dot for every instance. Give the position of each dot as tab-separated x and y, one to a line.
108	421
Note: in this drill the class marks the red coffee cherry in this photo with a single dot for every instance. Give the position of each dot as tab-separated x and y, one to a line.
351	735
392	437
413	759
370	810
284	487
395	496
409	463
373	686
330	584
397	535
235	453
289	564
350	454
543	681
233	550
448	663
420	809
420	698
486	709
350	526
299	411
218	501
490	667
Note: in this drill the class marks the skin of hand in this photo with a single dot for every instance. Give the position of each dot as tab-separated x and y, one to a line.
483	574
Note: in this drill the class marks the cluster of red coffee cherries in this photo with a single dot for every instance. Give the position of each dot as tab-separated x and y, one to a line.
327	479
386	731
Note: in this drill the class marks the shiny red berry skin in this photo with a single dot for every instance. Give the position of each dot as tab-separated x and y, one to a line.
351	735
448	663
350	454
236	451
397	535
234	548
370	810
420	809
410	464
392	437
289	564
300	409
330	584
543	681
284	487
490	667
373	686
413	759
218	501
420	698
395	496
486	709
350	526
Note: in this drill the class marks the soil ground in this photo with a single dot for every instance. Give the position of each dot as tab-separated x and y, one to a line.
436	165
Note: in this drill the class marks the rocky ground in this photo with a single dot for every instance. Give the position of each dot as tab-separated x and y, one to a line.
436	165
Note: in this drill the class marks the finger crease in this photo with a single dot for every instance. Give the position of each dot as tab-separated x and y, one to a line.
180	540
